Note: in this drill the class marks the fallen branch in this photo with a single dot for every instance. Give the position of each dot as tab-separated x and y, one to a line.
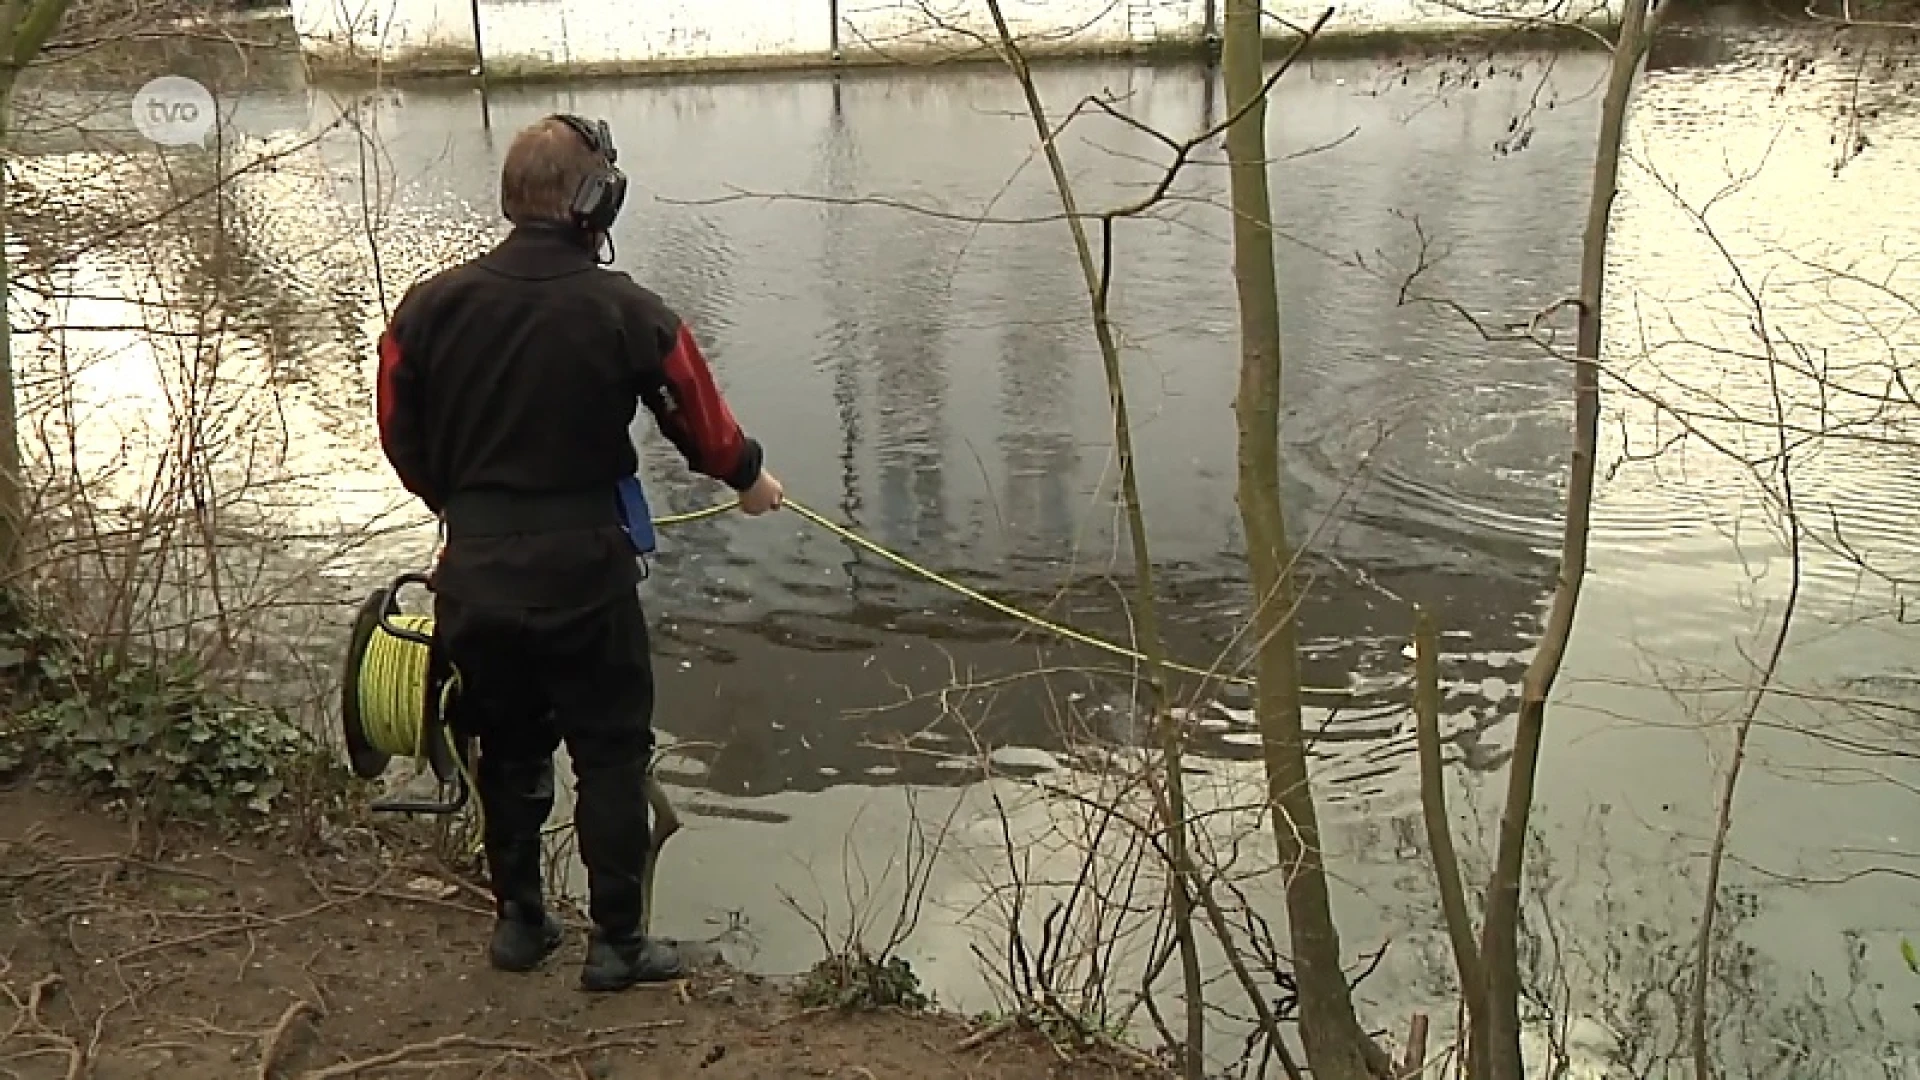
28	1018
76	862
256	922
270	1046
986	1035
29	1014
502	1046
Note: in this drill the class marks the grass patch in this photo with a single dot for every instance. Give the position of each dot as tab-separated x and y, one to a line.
858	981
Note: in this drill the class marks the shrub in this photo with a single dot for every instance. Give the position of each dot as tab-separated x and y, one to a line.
154	733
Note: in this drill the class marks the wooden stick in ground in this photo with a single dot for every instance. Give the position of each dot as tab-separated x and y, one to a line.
666	822
1414	1063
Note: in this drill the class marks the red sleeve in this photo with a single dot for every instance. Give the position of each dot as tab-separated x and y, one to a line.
397	397
695	417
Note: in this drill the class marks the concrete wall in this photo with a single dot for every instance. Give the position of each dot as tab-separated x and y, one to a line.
539	36
393	31
602	33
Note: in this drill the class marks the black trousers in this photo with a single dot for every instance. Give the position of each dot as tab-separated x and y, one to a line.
531	679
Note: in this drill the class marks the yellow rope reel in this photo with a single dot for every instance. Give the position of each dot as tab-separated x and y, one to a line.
394	699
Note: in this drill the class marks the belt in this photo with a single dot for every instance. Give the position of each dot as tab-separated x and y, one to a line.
495	512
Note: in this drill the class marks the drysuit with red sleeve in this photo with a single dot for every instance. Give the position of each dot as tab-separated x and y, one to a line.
506	395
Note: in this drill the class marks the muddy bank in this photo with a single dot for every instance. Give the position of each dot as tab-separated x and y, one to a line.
172	954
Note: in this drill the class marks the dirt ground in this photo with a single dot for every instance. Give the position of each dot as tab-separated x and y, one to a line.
129	956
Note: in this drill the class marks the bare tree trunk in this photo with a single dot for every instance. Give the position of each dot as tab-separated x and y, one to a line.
1446	863
13	504
25	26
1336	1047
1499	945
1147	611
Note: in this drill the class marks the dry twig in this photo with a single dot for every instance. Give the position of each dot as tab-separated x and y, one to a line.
503	1046
270	1045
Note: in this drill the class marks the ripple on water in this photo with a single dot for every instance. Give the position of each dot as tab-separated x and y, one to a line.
689	258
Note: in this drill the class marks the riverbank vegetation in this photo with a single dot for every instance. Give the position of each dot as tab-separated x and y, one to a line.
194	881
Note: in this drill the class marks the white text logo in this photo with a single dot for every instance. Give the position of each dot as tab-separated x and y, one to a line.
173	110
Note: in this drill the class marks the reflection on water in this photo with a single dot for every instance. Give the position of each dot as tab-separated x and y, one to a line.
902	345
932	382
1039	510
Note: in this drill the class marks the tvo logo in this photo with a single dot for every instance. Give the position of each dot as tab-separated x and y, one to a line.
173	110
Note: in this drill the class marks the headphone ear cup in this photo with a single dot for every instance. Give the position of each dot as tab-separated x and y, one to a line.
587	201
616	193
599	200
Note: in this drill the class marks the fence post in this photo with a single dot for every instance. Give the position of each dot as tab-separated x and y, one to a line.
833	27
479	50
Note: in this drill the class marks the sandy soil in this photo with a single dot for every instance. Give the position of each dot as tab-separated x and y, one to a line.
124	955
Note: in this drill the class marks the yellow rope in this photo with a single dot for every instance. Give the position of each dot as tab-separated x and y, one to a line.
695	515
978	597
1001	606
393	689
393	679
393	697
393	672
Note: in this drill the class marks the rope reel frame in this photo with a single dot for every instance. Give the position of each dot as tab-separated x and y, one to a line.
367	760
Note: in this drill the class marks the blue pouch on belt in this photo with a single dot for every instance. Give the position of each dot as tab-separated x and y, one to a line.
635	517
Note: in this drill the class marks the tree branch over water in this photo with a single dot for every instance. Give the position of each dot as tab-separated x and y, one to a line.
1843	390
1161	192
1493	1013
985	41
1192	884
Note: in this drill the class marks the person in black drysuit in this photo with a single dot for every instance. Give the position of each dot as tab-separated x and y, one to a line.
507	389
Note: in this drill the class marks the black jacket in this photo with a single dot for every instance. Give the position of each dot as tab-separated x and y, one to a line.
521	371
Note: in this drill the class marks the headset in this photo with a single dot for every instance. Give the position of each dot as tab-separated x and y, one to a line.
604	190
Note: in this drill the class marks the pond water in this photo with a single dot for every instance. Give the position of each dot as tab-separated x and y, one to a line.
931	382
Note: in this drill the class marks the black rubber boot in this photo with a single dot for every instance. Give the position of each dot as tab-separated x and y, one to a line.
611	818
517	797
615	964
522	940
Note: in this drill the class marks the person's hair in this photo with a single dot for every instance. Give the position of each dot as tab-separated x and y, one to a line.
544	169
